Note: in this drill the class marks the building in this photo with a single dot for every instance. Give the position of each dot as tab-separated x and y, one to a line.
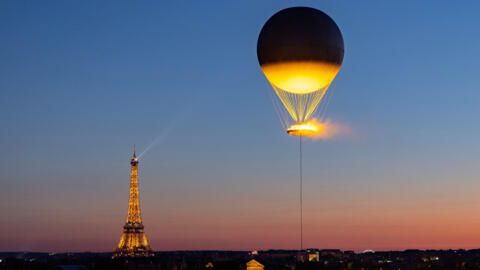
314	256
133	242
254	265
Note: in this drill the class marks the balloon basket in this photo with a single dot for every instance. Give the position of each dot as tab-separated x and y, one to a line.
302	129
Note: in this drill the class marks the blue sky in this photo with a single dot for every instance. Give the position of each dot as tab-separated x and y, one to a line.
81	82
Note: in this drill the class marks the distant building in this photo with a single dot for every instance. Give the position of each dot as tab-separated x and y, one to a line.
254	265
331	252
70	267
314	257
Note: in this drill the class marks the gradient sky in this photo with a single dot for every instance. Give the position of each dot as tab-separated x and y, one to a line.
82	81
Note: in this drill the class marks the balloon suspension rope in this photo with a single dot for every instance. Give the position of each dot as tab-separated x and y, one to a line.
301	197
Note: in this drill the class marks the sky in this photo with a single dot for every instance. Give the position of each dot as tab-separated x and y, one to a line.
82	81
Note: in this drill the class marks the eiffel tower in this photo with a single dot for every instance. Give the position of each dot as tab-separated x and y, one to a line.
133	242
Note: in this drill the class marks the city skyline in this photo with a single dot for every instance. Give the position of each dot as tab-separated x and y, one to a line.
81	83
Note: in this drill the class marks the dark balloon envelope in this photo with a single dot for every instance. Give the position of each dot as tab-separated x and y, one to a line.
300	51
300	34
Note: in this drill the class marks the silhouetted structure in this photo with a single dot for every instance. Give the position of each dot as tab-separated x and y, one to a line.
237	260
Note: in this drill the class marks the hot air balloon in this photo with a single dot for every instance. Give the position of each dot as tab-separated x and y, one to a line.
300	51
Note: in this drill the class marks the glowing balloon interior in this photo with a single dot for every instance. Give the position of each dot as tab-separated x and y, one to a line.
301	77
300	51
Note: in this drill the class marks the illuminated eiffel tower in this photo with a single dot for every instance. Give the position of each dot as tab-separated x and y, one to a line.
133	242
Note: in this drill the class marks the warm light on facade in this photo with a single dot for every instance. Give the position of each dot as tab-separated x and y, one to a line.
314	257
254	265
